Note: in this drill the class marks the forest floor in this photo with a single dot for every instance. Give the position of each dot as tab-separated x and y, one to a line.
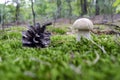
64	59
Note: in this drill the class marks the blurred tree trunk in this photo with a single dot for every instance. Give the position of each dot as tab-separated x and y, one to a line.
59	8
83	6
70	9
112	10
97	8
17	11
3	15
33	12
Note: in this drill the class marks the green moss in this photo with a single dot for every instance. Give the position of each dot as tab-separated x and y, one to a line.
64	59
57	30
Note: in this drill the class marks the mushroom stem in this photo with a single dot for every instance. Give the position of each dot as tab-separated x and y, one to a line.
85	34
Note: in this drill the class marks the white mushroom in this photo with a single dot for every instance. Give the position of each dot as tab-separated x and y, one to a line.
83	27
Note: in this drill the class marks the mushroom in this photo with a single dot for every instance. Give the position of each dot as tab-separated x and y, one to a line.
83	27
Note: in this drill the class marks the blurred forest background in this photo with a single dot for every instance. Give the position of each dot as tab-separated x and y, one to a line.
17	12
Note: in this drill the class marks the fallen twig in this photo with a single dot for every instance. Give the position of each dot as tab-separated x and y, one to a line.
108	24
105	32
101	47
97	58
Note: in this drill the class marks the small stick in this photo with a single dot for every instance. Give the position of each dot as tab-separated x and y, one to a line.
97	58
101	47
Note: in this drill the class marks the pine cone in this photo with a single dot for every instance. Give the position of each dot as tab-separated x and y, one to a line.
36	36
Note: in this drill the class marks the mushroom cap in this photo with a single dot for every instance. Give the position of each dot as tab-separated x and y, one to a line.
83	24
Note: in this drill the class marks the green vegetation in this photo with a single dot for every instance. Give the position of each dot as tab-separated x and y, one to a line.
57	30
64	59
